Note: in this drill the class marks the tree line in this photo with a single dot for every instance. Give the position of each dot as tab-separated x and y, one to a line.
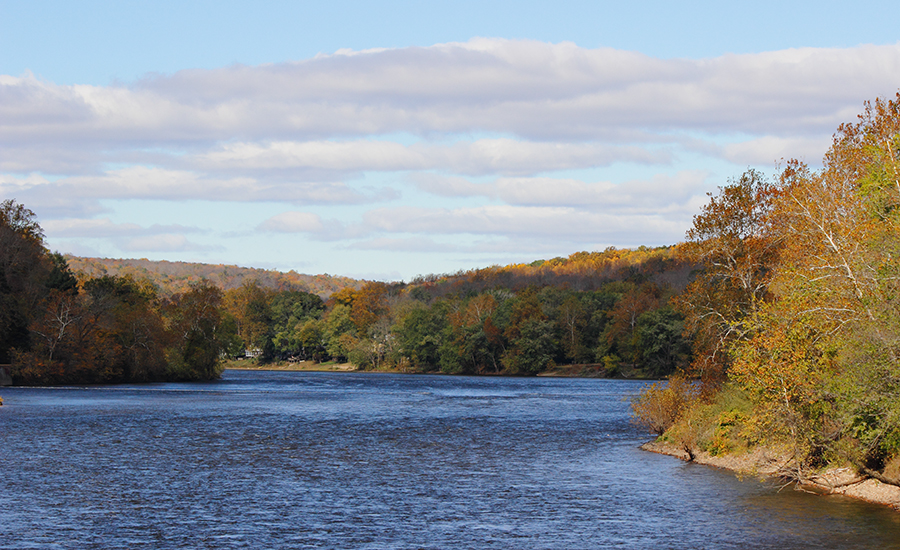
794	314
520	319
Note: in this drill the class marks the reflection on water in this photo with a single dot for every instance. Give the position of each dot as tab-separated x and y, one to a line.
334	460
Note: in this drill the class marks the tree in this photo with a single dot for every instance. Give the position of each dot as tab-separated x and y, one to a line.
311	338
420	333
531	336
250	306
133	337
838	287
733	244
339	332
23	271
621	331
661	342
369	303
572	318
291	310
475	338
195	319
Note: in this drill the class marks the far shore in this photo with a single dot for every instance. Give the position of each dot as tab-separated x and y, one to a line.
250	364
558	371
765	463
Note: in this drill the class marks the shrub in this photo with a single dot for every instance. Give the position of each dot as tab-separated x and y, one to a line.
659	406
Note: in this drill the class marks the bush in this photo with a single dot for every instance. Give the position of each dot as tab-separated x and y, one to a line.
658	407
724	425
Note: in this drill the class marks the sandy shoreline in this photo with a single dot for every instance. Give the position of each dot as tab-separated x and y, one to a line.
760	462
297	366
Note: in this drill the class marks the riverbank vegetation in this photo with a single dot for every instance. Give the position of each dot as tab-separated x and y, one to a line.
794	315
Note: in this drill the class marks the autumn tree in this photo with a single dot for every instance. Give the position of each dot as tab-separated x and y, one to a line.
733	245
110	332
133	337
802	299
250	306
368	304
621	334
23	271
837	287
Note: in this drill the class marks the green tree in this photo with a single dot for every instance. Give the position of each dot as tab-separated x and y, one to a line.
195	319
290	312
474	341
339	332
660	339
531	336
420	333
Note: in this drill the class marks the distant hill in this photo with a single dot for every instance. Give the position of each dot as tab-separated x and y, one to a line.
173	277
579	271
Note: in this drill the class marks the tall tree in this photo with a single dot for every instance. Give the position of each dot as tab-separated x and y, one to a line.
23	271
195	319
733	244
250	304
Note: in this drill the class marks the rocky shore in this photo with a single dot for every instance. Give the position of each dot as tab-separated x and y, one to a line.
765	463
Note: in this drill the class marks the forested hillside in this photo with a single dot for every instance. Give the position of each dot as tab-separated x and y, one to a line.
795	313
173	277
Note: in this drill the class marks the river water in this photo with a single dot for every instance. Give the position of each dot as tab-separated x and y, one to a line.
378	461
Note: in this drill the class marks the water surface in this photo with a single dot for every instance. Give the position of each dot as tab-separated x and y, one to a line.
337	460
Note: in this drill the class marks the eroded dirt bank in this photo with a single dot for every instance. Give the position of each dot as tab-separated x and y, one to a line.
761	462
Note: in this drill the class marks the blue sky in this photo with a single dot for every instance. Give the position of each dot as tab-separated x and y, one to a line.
390	139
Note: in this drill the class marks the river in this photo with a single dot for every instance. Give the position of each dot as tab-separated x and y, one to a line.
381	461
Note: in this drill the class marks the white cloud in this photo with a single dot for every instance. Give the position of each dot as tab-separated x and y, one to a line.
660	193
773	149
404	244
560	106
99	228
532	89
164	243
528	222
293	222
82	194
535	143
449	186
486	156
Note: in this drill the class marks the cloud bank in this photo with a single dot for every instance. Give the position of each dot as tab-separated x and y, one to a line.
506	139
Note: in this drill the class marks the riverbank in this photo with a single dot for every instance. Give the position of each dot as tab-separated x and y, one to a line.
766	463
307	366
558	371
